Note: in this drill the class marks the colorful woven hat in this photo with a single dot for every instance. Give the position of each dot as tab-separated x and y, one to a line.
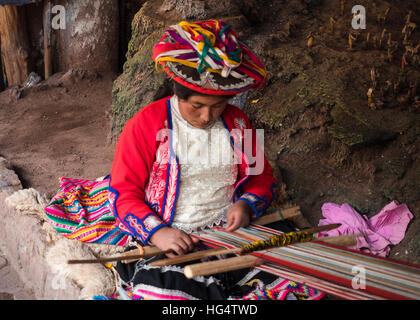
206	56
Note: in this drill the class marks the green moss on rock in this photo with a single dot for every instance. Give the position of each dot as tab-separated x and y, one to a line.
295	86
353	131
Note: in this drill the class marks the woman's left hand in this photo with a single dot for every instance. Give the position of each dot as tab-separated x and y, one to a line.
239	215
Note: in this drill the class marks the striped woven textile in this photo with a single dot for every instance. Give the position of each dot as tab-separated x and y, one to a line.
80	210
342	272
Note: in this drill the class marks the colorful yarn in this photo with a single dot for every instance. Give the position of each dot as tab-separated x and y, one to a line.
299	291
266	294
101	298
280	240
129	292
208	46
123	293
302	290
80	211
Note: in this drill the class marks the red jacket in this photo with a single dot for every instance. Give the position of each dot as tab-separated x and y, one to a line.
145	172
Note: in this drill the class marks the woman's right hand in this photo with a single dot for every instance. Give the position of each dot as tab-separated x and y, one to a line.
169	238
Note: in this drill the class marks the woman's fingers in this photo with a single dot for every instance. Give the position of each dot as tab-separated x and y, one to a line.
174	239
185	243
195	240
238	216
230	220
190	243
233	225
175	247
182	244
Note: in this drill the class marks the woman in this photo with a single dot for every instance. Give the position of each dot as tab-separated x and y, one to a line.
166	181
157	178
183	163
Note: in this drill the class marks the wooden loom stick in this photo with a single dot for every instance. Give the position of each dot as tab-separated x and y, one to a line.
273	215
149	251
219	266
248	261
345	241
322	228
193	256
225	265
218	251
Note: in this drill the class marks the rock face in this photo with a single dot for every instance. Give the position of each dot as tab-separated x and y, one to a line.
36	255
325	140
138	84
24	242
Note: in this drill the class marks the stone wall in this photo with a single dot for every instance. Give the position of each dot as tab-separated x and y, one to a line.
23	242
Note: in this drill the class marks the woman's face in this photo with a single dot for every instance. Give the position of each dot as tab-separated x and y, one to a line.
200	111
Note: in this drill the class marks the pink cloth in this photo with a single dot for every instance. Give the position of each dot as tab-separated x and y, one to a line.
384	229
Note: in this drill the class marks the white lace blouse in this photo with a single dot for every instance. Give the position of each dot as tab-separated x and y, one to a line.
207	172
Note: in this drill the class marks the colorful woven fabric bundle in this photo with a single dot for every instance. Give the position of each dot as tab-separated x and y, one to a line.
212	51
286	290
120	293
80	211
267	294
340	271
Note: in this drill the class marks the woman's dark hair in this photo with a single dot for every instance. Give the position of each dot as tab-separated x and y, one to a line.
184	93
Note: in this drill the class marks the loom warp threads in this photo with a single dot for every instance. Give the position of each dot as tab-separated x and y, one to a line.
278	241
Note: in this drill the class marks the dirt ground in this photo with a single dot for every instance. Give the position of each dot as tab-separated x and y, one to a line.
58	129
